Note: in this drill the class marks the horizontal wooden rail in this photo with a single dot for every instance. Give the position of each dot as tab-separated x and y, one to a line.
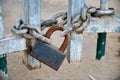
97	25
12	44
104	24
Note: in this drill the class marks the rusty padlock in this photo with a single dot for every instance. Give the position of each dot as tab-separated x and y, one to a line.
49	54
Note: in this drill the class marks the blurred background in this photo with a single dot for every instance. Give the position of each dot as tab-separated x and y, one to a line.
106	69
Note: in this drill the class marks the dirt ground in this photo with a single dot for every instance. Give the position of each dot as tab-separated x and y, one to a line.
106	69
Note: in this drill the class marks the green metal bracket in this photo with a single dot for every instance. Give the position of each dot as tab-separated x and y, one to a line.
101	44
3	63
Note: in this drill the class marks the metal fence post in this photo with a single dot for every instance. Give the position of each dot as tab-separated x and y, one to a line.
101	41
76	42
31	15
3	59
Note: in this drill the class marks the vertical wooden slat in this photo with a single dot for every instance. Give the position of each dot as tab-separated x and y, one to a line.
31	15
101	41
76	42
104	4
3	60
1	23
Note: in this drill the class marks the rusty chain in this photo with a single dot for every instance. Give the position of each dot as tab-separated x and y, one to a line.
28	31
31	31
55	20
79	23
63	16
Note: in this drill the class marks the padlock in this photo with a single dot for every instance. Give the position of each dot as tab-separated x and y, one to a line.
49	54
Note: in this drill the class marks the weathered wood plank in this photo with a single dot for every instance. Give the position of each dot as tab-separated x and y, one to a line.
76	42
104	4
3	60
104	24
31	15
12	44
1	23
101	40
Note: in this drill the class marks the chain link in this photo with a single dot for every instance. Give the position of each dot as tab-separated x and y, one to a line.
29	31
63	16
55	20
48	23
80	21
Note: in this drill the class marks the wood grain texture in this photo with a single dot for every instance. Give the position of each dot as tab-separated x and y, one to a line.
31	15
76	42
103	24
12	44
1	23
3	60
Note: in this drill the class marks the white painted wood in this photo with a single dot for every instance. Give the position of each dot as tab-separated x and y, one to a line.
1	23
76	42
104	4
31	15
103	24
12	44
3	75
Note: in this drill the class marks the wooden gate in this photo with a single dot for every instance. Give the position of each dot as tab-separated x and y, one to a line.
31	15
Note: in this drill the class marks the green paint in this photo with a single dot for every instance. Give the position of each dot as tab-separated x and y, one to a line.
101	43
3	63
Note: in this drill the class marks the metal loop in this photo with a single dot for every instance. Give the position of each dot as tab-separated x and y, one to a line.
71	28
80	21
18	32
28	36
30	27
100	12
66	40
30	31
84	25
48	23
41	37
59	15
63	16
19	22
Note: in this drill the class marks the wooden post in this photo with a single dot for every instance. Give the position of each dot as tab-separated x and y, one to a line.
76	42
3	60
101	41
104	4
31	15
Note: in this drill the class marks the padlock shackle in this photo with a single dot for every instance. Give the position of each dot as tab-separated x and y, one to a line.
66	40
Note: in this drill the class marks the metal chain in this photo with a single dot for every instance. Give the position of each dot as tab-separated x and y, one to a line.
80	21
54	20
48	23
63	16
28	31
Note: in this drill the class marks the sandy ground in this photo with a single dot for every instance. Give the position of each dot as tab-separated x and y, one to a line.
106	69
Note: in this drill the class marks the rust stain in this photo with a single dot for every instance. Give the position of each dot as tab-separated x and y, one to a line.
66	40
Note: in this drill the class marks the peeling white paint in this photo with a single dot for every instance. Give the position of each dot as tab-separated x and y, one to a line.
12	44
76	41
103	24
